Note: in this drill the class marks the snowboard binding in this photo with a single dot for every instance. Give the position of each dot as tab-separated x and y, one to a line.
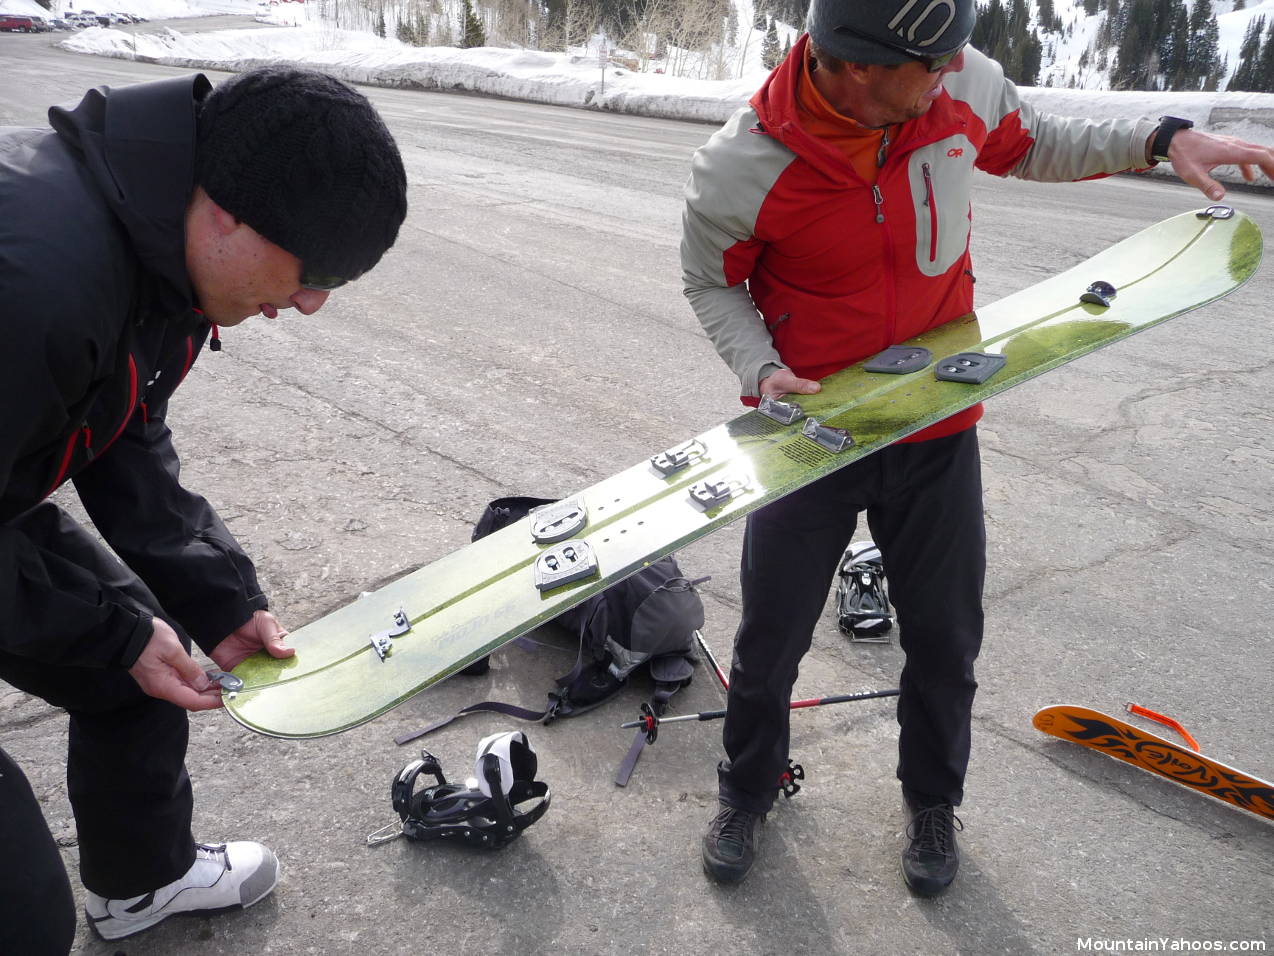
486	811
862	596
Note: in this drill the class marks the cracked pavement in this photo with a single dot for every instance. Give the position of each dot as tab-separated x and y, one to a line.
528	336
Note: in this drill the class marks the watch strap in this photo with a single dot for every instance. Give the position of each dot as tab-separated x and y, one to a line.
1168	127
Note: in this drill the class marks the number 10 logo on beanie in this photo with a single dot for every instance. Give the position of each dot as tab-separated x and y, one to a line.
935	8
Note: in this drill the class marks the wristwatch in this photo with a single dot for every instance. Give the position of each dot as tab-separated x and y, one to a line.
1168	126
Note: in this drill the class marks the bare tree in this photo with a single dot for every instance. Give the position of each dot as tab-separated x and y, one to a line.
510	22
579	22
691	33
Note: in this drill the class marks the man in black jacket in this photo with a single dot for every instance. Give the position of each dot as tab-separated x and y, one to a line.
148	216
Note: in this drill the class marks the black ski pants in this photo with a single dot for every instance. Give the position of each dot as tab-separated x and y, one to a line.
924	509
126	774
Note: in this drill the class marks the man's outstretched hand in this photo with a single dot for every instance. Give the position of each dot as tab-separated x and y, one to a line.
1194	154
262	630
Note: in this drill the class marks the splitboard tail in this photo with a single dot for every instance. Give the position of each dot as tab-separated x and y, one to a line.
371	655
1119	739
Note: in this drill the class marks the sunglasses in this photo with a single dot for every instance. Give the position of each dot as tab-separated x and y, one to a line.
318	282
931	63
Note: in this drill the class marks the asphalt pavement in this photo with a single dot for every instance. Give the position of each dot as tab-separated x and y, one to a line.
527	336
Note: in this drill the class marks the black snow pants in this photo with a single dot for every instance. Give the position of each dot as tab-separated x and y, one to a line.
924	509
126	775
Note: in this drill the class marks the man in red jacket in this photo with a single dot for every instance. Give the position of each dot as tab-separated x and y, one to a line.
142	220
826	221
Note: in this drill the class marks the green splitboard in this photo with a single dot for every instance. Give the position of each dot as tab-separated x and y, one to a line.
472	601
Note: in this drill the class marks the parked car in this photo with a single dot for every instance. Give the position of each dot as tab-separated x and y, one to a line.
41	25
59	24
13	24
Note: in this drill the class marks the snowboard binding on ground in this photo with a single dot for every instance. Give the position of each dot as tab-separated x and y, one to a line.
862	597
489	811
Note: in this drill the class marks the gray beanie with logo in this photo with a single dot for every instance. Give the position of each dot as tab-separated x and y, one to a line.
847	28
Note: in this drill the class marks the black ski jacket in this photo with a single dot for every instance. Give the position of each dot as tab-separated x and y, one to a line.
99	326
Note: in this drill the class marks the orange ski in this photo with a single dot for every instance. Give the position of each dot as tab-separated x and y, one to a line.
1142	749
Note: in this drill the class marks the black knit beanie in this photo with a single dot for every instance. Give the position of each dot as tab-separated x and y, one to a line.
306	161
854	30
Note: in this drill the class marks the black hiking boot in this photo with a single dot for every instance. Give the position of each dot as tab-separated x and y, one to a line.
930	858
729	846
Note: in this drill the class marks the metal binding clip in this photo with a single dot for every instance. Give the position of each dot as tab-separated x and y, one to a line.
835	440
678	457
564	563
1099	293
558	521
381	641
1218	211
229	683
713	492
785	413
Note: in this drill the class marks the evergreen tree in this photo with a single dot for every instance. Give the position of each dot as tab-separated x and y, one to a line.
770	47
1049	21
1211	83
1107	34
1202	47
473	34
1200	13
791	12
1019	18
988	27
1090	7
1244	77
405	32
1005	35
1032	54
1265	64
379	27
1136	34
1173	49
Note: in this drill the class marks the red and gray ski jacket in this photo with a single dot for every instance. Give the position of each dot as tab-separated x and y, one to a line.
791	259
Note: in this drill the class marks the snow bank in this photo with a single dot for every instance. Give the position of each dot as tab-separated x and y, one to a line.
578	81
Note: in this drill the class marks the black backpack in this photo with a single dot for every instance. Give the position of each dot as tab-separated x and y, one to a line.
647	621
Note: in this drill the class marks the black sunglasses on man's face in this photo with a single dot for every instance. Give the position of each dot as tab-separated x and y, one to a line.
931	63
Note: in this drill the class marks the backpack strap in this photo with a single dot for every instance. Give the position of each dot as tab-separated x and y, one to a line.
586	670
671	673
486	706
590	682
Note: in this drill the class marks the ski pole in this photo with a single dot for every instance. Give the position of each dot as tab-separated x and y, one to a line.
716	668
794	705
649	721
